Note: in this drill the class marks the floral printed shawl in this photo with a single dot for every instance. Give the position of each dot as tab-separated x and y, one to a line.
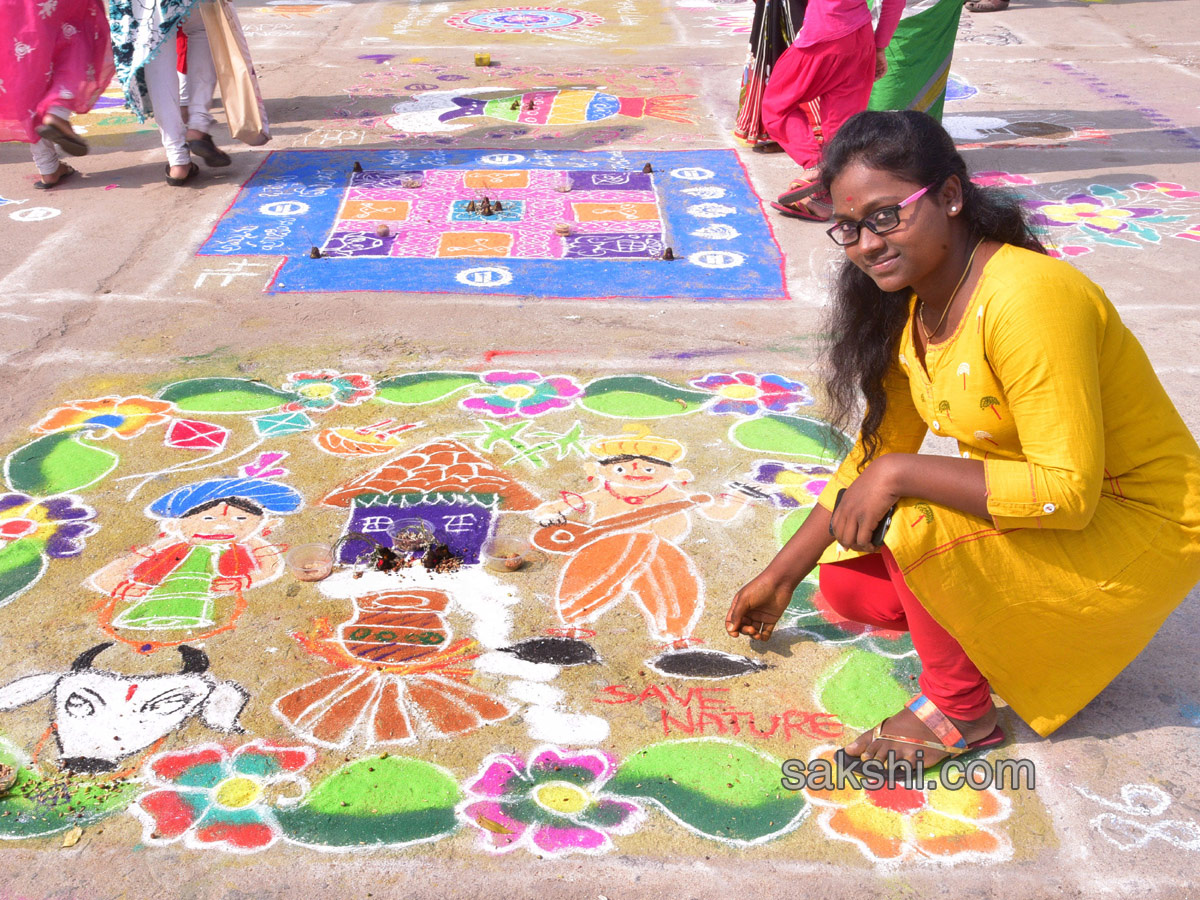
139	29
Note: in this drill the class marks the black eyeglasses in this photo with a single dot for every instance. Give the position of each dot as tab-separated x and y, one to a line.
846	234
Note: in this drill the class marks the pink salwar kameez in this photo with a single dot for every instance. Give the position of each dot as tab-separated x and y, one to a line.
59	57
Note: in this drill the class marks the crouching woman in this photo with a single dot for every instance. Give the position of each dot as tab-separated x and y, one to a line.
1039	560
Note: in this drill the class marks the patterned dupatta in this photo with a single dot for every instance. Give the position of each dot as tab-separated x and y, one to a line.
139	30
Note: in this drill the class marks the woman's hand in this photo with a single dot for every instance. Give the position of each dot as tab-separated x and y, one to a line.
880	64
865	503
757	607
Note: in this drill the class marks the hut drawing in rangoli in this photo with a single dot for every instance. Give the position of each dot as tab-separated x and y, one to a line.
399	672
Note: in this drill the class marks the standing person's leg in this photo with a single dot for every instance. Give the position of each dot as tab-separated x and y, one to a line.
49	166
795	80
201	87
849	95
162	84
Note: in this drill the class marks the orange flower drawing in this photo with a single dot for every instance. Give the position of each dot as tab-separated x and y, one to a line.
126	417
894	825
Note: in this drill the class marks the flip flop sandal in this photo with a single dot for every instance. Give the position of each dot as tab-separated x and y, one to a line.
40	185
767	147
209	152
799	190
193	171
984	6
949	739
70	143
799	210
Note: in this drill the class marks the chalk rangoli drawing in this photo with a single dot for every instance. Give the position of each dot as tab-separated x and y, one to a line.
218	798
211	548
377	439
900	824
1132	216
101	718
1127	825
443	111
732	25
416	658
568	224
34	531
637	515
1047	130
582	106
958	88
992	34
523	19
553	805
288	9
456	491
400	676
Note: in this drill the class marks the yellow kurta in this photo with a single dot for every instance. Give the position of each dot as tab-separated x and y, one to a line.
1093	485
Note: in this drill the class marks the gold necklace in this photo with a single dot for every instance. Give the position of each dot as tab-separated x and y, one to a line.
954	293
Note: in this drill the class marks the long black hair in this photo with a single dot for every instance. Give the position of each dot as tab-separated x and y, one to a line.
865	321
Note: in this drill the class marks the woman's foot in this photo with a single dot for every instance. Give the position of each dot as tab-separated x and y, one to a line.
177	176
49	181
59	131
982	6
814	208
906	724
202	145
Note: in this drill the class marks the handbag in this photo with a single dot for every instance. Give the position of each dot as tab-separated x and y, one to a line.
235	73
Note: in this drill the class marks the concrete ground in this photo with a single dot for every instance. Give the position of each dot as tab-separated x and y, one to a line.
118	286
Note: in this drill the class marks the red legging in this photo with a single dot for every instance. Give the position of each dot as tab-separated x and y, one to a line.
840	73
871	590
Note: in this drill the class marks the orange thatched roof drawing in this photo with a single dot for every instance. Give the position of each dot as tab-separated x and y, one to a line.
436	467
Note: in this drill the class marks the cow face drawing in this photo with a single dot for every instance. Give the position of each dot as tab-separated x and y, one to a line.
102	717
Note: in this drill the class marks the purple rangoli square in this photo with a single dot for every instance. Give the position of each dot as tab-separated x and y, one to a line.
408	214
611	181
629	245
347	244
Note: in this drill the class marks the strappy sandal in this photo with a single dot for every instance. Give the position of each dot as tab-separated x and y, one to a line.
212	155
193	171
71	143
950	741
813	209
800	189
40	185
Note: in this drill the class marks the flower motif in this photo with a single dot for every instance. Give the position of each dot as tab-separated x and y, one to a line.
1067	251
1169	188
212	798
126	417
730	24
1088	211
325	389
744	394
552	806
523	394
60	523
795	484
1190	234
899	824
1000	179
